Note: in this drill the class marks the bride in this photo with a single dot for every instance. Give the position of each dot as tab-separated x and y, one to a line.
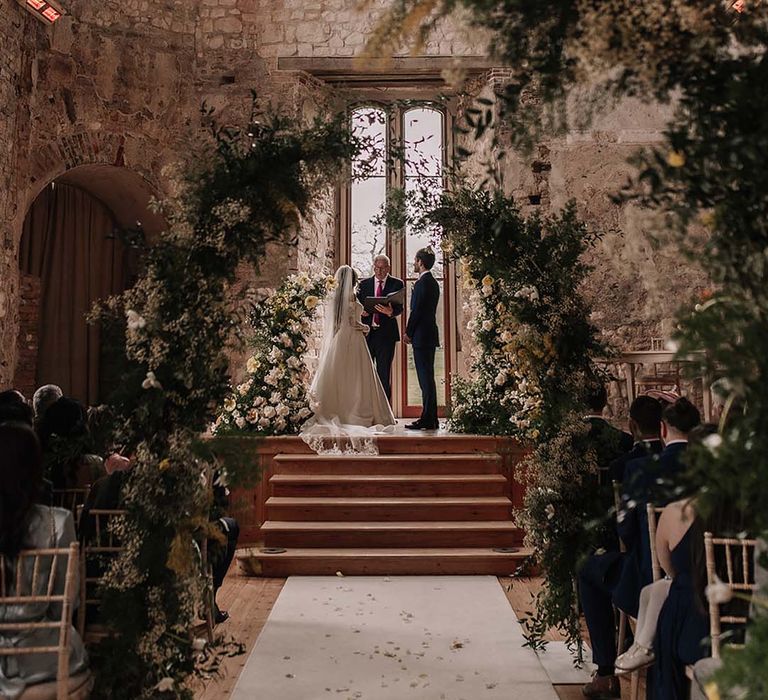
346	395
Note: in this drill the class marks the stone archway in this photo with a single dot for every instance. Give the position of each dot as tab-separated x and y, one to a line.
114	198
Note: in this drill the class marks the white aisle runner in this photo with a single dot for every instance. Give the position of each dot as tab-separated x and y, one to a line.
382	638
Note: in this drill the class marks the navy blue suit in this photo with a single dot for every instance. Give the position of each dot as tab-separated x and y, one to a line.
382	340
616	578
422	330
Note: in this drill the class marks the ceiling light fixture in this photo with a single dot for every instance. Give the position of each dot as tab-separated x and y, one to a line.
47	11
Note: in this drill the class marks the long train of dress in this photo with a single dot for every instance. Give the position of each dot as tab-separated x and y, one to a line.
349	403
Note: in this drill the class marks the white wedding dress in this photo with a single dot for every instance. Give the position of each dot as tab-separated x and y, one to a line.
349	403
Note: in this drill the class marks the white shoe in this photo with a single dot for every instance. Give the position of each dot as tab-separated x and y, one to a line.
634	658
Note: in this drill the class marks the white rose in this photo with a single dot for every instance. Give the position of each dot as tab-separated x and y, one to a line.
506	336
283	410
229	404
280	424
713	442
252	365
719	592
135	320
304	412
264	422
258	401
501	378
151	382
240	422
269	412
252	416
286	340
487	325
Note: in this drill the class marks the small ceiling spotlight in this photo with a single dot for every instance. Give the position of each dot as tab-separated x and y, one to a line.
47	11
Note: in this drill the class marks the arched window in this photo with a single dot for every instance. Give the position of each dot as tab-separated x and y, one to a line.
408	153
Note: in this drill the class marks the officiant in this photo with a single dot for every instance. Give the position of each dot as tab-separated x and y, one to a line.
385	330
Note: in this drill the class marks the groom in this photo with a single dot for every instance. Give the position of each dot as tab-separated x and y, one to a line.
421	332
385	330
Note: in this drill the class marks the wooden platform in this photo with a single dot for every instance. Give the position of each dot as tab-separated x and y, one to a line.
426	504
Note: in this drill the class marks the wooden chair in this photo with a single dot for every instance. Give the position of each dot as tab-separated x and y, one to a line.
740	579
44	565
72	500
98	551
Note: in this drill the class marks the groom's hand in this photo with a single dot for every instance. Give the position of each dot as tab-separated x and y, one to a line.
406	339
365	313
385	309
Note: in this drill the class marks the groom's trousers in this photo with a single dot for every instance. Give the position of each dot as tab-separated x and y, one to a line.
424	359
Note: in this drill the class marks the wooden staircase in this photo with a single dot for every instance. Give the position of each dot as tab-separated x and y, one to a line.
424	505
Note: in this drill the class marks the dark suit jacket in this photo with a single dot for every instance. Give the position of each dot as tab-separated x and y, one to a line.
422	319
641	487
640	449
388	327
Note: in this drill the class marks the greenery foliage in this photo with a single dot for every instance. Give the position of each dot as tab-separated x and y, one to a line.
251	187
708	178
533	361
272	399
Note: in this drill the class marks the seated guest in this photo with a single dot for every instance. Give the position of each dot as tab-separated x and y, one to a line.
105	494
26	525
43	399
66	446
602	572
14	407
222	554
645	426
610	442
650	480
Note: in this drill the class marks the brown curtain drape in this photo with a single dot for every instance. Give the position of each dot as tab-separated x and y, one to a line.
68	242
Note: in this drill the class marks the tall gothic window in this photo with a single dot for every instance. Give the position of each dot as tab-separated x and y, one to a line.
415	165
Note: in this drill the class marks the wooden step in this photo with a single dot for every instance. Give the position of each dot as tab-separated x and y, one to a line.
389	464
494	533
401	561
390	509
388	485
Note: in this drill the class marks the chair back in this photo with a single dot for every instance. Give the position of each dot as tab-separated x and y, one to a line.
653	513
71	500
34	578
98	552
738	555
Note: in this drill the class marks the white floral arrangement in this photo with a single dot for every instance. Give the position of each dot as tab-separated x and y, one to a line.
272	398
503	395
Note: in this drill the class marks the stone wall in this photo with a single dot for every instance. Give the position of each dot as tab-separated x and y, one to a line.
121	83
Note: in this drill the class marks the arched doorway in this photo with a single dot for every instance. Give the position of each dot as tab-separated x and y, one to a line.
73	252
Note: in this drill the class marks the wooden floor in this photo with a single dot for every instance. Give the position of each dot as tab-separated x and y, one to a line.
249	601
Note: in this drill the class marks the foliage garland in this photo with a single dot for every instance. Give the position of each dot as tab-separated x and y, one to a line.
535	352
272	399
250	188
712	58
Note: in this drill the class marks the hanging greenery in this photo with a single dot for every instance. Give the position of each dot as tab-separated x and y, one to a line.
535	350
708	177
249	188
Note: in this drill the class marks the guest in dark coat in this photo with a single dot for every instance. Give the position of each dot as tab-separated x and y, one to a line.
421	332
14	408
601	572
385	331
650	480
67	446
